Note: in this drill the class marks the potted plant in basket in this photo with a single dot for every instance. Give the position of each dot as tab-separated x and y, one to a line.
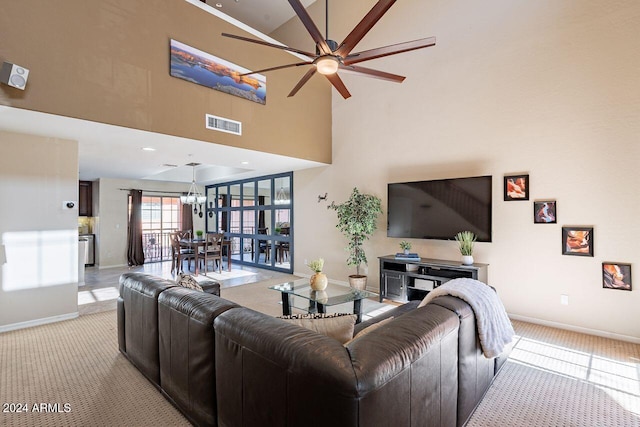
357	221
318	281
466	240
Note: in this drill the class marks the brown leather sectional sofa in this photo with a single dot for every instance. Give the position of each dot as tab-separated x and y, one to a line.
227	365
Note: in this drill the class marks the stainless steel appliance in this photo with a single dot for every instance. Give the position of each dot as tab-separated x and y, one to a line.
89	248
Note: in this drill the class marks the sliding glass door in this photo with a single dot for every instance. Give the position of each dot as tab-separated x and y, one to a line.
160	216
257	216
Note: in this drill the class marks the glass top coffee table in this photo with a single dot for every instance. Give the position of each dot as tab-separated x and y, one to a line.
318	300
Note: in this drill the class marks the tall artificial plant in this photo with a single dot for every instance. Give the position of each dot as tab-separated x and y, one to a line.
357	221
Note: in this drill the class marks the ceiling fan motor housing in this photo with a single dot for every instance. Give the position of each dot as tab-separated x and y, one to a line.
333	45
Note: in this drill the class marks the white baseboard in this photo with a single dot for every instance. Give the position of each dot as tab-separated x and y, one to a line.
573	328
38	322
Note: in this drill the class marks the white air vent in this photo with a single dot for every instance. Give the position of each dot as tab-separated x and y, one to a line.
223	125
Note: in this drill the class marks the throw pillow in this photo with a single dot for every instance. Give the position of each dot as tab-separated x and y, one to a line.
369	329
188	281
338	326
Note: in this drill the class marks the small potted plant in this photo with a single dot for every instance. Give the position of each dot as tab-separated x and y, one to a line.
405	246
466	240
318	281
199	234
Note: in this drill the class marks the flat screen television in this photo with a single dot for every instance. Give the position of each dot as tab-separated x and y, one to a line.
439	209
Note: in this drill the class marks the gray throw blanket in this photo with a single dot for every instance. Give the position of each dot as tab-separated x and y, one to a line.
494	327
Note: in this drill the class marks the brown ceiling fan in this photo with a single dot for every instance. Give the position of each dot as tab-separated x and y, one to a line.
331	57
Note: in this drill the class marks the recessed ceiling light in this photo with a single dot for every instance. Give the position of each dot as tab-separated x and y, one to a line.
148	149
218	4
244	163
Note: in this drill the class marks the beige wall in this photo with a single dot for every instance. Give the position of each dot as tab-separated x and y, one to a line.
39	238
108	61
112	215
546	88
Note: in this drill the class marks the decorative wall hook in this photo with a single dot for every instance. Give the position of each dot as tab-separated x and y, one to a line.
320	198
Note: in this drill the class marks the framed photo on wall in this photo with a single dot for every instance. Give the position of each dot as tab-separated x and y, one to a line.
516	187
544	212
577	241
616	275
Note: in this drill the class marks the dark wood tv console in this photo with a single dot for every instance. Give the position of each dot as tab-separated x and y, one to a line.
402	280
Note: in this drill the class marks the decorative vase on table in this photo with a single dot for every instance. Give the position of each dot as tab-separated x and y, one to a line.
318	282
467	259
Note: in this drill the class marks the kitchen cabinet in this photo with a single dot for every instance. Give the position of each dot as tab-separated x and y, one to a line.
85	202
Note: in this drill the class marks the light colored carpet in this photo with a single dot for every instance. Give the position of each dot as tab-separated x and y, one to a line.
553	377
77	362
560	378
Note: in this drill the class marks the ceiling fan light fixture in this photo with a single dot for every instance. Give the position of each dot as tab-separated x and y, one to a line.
327	65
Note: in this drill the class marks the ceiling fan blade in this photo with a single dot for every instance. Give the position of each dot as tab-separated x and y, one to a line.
310	26
372	73
302	81
389	50
277	46
363	27
336	81
279	67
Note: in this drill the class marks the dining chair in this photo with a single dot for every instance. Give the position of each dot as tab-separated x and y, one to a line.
183	234
212	251
179	254
263	245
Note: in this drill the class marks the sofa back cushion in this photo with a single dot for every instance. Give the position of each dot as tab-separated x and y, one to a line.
273	373
187	350
138	321
407	369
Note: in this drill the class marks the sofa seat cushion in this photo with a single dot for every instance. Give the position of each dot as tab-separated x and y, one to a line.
338	326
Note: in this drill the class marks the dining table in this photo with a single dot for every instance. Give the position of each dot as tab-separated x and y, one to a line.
196	243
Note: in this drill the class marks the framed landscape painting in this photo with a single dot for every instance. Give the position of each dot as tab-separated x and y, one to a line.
196	66
577	241
616	275
544	212
516	187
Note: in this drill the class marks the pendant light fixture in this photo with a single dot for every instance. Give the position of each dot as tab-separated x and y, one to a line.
194	196
281	197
